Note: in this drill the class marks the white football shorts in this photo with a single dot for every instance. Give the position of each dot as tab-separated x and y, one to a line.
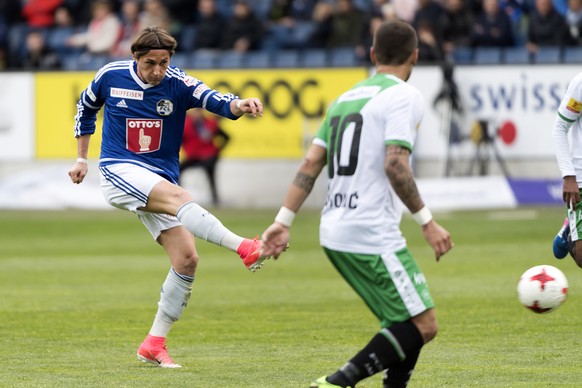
127	186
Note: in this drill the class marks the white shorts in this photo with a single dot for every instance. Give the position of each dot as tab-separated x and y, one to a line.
127	186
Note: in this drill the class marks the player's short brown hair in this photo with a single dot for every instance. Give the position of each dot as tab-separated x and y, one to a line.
153	38
394	42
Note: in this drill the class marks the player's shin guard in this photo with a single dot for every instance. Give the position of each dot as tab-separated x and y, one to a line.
202	224
174	296
387	349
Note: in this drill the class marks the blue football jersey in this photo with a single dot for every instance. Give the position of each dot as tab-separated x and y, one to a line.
143	123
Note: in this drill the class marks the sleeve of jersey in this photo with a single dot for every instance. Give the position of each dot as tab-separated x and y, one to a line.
210	99
568	112
87	108
404	117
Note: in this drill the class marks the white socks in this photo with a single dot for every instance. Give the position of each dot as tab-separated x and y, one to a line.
202	224
174	296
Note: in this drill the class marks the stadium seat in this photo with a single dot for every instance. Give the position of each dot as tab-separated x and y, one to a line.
548	55
203	59
301	33
181	60
257	59
573	55
230	60
342	57
516	56
314	58
187	38
487	56
57	37
286	59
463	55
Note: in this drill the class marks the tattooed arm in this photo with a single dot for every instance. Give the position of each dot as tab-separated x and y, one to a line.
399	172
301	187
276	237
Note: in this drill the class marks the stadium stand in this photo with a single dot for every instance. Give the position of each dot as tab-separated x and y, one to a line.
487	56
284	44
517	55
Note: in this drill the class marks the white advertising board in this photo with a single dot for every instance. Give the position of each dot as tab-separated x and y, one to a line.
16	117
526	96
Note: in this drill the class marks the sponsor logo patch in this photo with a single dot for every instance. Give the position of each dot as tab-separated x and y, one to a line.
126	93
574	106
143	135
190	81
199	90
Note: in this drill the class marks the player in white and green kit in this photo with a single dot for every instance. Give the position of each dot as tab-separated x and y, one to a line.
365	141
569	157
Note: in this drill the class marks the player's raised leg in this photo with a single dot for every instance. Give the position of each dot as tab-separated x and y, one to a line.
168	198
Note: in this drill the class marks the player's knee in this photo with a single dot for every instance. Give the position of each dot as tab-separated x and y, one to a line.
429	331
427	325
187	264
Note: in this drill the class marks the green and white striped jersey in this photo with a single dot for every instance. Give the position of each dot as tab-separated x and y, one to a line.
362	213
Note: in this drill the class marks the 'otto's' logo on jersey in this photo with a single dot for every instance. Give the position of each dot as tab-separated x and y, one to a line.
143	135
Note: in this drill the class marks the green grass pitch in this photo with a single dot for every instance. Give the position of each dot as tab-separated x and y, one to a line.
78	292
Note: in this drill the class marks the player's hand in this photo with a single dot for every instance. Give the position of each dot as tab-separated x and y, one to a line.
252	106
438	238
275	240
78	172
570	191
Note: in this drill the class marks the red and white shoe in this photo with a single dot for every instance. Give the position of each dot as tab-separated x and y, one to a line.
250	253
153	351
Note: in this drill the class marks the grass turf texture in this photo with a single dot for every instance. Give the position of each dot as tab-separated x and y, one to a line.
78	292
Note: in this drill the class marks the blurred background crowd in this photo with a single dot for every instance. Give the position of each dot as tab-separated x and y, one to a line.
83	35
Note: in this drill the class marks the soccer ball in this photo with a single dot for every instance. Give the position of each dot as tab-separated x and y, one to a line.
542	288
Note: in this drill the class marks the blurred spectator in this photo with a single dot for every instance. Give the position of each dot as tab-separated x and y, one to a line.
346	25
429	48
202	143
155	13
103	31
10	15
493	27
180	12
130	27
243	31
430	11
40	13
37	55
405	9
63	17
287	12
322	13
546	27
208	36
454	26
574	20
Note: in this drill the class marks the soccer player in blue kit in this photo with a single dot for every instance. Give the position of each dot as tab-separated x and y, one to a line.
145	101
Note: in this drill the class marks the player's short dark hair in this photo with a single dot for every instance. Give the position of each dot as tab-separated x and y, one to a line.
394	42
153	38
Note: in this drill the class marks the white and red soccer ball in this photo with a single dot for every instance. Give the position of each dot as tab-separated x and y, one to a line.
542	288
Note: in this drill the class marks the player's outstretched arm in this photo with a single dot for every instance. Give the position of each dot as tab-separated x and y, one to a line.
399	172
276	237
79	170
